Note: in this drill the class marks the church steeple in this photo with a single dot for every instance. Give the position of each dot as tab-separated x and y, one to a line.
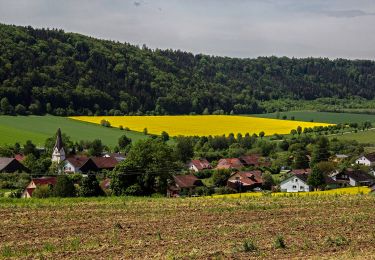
58	154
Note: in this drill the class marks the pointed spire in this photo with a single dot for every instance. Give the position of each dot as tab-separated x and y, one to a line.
59	143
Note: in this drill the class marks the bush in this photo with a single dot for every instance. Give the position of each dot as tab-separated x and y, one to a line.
43	191
105	123
279	242
90	187
249	246
220	177
134	190
203	174
225	190
64	187
203	191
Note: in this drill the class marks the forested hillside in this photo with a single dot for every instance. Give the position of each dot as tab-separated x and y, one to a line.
50	71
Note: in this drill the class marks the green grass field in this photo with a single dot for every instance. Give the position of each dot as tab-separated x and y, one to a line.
39	128
323	117
366	137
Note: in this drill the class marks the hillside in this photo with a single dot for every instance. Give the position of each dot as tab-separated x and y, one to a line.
39	128
50	71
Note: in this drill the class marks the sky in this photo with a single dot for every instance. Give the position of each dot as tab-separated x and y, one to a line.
235	28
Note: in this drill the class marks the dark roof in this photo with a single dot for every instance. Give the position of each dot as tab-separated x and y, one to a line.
252	159
4	162
77	161
187	181
302	177
201	164
59	144
370	157
360	176
105	162
44	181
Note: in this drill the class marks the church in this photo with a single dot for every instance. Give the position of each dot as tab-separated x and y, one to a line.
58	154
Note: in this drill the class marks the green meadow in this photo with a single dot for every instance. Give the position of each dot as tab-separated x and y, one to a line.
323	117
39	128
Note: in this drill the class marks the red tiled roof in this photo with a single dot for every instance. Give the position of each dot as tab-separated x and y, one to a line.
105	162
201	164
44	181
301	171
247	178
252	159
228	163
187	181
19	157
77	161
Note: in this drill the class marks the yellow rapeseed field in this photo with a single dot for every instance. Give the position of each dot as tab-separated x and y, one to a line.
202	125
340	191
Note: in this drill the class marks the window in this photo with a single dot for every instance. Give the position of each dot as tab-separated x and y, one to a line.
294	187
296	180
302	188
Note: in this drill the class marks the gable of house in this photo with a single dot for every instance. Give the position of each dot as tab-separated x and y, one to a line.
10	165
295	183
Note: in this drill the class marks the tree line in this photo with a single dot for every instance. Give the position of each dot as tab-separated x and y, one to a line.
50	71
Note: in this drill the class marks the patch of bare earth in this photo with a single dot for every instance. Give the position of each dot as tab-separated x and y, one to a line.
326	227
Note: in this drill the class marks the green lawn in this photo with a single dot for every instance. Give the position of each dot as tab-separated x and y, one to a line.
39	128
366	137
323	117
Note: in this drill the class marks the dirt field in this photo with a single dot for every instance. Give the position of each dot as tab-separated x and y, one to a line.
316	227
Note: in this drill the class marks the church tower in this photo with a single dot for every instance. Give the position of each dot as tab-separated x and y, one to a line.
58	154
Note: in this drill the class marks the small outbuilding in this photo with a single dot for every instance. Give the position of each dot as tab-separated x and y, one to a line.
34	183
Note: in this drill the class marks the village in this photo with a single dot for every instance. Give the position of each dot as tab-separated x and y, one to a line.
247	173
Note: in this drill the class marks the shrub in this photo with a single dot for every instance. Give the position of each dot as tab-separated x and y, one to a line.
134	190
224	190
90	187
105	123
249	246
43	191
203	191
279	242
203	174
64	187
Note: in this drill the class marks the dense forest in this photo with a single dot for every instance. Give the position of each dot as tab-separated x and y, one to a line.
50	71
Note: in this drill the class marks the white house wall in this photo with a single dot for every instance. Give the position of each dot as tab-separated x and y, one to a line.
294	185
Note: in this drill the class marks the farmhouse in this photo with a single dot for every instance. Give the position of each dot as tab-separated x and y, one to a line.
79	164
28	192
199	165
350	177
229	163
367	160
10	165
183	184
245	181
295	183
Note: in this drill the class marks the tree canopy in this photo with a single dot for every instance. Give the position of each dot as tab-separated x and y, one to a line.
50	71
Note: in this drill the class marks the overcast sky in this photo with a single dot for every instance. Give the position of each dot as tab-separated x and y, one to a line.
238	28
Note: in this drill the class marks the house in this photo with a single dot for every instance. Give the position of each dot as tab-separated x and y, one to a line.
28	192
199	165
10	165
183	184
105	163
58	154
253	160
351	177
295	183
245	181
118	156
79	164
229	163
367	160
